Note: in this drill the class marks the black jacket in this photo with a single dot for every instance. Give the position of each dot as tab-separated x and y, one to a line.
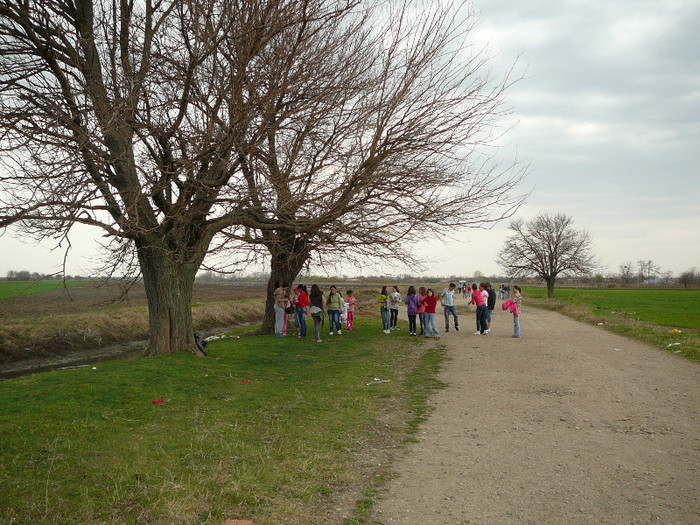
491	303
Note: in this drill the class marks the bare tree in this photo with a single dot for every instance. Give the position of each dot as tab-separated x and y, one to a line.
689	278
648	270
667	277
547	246
372	143
626	273
283	130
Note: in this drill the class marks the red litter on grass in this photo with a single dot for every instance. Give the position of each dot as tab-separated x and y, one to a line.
157	401
245	380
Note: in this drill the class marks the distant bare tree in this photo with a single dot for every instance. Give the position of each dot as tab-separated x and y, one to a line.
283	130
547	246
667	277
689	278
626	273
648	270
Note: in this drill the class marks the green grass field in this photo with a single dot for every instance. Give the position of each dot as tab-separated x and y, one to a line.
675	308
10	289
645	314
265	429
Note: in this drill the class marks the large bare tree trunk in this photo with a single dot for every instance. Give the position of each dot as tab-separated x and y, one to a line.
550	287
287	260
169	286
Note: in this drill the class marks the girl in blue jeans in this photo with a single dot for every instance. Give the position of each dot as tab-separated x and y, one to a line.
383	301
333	306
518	300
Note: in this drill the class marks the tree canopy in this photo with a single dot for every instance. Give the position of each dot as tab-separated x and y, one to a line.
261	130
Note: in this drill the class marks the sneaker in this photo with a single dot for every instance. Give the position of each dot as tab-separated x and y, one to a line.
437	337
318	340
477	333
487	331
447	330
339	332
330	333
456	328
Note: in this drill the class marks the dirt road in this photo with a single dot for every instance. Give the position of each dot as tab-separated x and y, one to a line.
568	425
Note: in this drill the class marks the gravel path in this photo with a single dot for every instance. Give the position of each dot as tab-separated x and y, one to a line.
568	425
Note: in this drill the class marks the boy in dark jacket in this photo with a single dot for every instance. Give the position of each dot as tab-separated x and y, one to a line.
490	305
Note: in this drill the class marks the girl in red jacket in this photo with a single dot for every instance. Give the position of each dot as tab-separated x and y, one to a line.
429	302
302	303
481	312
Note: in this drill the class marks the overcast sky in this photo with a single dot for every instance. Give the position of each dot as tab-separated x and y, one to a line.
608	117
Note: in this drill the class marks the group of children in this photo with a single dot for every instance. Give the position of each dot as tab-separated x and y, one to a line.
337	308
421	304
420	308
485	300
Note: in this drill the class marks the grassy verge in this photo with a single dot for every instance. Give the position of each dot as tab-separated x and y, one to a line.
267	429
665	318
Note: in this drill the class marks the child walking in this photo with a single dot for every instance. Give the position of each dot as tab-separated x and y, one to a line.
351	302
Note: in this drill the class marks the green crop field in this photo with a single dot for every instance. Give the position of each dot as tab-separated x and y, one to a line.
674	308
10	289
667	318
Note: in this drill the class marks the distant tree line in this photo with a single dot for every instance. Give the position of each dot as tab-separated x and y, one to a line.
25	275
648	273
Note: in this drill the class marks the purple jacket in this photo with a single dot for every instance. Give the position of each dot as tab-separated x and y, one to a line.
412	303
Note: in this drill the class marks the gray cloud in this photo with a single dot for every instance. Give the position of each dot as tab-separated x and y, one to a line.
609	116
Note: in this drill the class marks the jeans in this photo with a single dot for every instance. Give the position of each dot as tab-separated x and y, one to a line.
421	319
453	310
385	317
481	323
301	320
317	327
394	317
279	320
411	323
516	326
334	319
430	323
488	314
